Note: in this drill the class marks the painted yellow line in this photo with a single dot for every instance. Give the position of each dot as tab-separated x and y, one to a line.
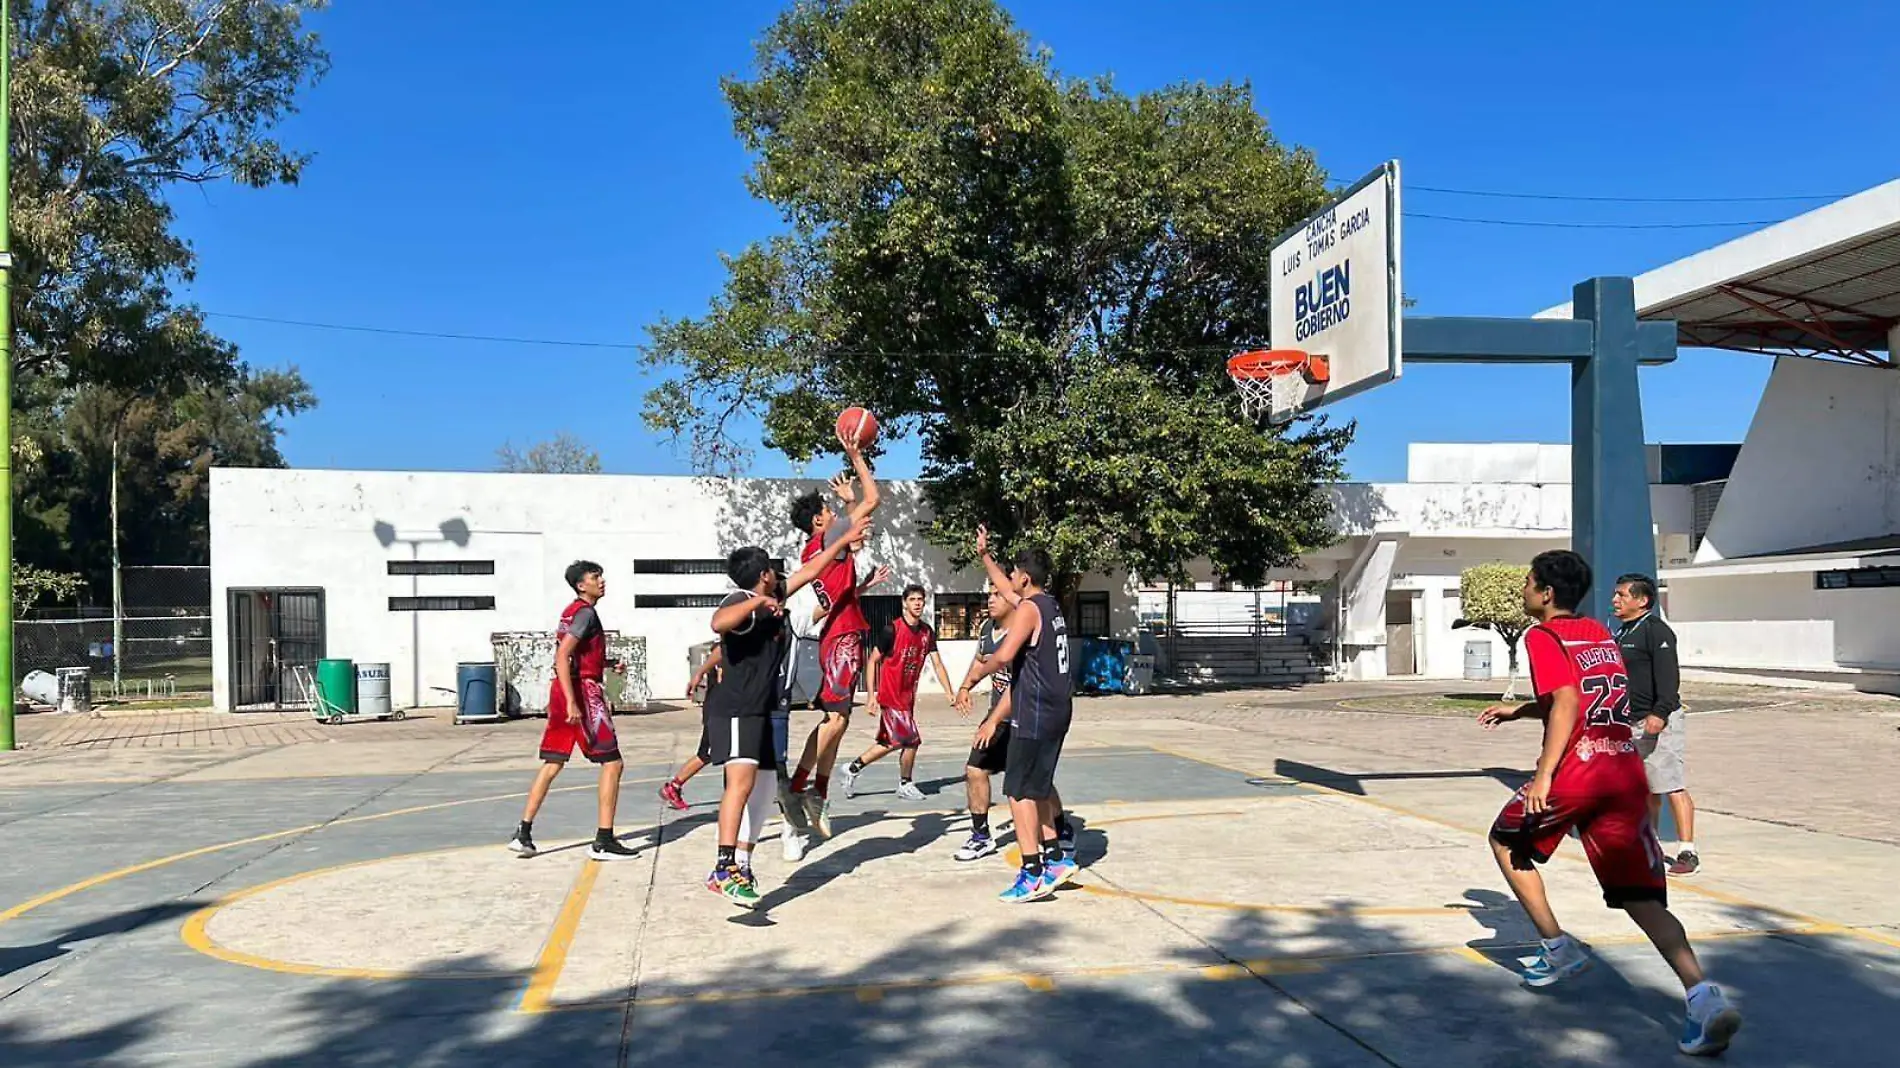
1809	924
547	970
49	897
196	932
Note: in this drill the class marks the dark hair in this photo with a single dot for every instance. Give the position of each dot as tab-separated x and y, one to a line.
806	509
1640	586
1565	574
1035	563
579	570
916	589
744	566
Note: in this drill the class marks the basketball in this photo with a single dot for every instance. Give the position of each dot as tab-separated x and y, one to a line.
857	425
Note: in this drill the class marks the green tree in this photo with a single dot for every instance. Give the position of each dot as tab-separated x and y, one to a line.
118	104
1038	277
1491	597
563	454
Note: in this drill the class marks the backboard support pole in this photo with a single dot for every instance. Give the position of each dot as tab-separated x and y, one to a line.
1610	520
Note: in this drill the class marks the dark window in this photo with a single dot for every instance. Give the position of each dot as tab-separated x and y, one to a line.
441	567
879	611
441	604
678	600
1860	578
961	615
1091	614
691	567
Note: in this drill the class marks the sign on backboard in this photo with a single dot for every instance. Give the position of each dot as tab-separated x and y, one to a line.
1335	288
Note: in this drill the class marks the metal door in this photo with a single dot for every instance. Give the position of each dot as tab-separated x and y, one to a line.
273	632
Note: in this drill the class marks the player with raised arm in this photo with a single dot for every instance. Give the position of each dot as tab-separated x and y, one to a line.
1042	704
841	647
752	638
896	667
989	748
1590	778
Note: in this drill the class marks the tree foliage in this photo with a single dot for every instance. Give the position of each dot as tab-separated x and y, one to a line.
118	104
1039	277
563	454
1492	596
32	584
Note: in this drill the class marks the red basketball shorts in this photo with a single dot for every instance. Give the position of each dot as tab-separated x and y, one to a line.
594	734
841	661
1609	816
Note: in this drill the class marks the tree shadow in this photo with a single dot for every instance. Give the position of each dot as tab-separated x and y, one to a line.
15	958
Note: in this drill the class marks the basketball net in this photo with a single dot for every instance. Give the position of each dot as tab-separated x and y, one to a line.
1273	382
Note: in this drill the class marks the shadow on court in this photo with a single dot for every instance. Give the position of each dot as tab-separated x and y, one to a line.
1810	1003
1353	783
15	958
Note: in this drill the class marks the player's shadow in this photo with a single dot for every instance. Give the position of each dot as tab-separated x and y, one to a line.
16	958
822	867
1354	783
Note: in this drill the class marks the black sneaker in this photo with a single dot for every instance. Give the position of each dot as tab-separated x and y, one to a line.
523	843
609	849
1686	863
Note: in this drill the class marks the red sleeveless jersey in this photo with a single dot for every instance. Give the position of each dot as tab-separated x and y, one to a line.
905	648
581	620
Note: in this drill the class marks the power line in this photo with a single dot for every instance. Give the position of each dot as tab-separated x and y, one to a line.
1619	199
436	334
1592	225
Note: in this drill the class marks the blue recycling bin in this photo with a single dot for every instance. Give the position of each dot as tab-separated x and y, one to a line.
1101	665
475	693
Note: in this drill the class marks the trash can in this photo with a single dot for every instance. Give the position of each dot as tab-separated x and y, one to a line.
695	657
372	690
1141	674
336	684
75	689
1100	665
1478	659
475	693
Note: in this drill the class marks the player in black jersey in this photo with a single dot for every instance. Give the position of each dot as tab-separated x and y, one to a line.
1037	654
752	642
989	749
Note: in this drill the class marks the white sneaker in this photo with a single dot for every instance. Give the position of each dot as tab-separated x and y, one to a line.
847	781
1549	967
1711	1023
908	791
794	845
978	847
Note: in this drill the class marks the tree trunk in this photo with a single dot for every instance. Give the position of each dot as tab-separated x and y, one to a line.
1510	684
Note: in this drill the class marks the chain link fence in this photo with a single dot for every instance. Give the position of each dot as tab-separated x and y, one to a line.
162	645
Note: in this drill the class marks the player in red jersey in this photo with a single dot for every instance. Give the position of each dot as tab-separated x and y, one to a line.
897	666
1590	778
578	715
841	647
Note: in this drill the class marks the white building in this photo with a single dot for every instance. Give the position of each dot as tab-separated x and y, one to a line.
419	569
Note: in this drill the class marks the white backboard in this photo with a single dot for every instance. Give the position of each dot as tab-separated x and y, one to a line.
1335	288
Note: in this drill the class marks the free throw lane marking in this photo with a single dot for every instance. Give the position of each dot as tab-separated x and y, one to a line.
547	970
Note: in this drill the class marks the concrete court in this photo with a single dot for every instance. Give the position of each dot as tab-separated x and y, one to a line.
1273	878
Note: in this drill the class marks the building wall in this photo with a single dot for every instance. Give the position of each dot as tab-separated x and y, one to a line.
338	530
1821	463
1779	621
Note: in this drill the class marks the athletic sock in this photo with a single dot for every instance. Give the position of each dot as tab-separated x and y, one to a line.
1686	847
1064	829
1032	864
725	862
604	835
903	780
800	779
857	765
743	857
527	827
1052	849
980	824
823	786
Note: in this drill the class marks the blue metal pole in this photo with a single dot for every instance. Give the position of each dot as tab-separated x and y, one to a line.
1609	472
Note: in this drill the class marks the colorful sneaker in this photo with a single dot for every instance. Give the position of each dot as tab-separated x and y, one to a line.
670	793
1711	1024
817	813
610	849
1027	887
908	791
847	780
734	885
1686	863
978	847
1057	872
523	844
1549	967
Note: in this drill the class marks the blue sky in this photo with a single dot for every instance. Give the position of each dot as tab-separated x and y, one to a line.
573	174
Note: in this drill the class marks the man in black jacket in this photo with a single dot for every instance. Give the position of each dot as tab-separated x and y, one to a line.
1655	680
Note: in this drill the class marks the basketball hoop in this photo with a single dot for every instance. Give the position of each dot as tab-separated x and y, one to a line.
1273	382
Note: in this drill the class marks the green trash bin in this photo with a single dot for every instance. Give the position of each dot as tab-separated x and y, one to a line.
336	689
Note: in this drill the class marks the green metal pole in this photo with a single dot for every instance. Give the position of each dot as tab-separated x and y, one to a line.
6	379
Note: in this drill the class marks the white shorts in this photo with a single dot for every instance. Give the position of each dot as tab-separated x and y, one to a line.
1663	754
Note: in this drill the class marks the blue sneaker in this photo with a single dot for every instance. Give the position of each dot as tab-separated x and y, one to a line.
1027	887
1549	967
1057	872
1712	1022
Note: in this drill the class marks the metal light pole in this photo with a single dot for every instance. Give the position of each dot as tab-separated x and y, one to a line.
6	380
